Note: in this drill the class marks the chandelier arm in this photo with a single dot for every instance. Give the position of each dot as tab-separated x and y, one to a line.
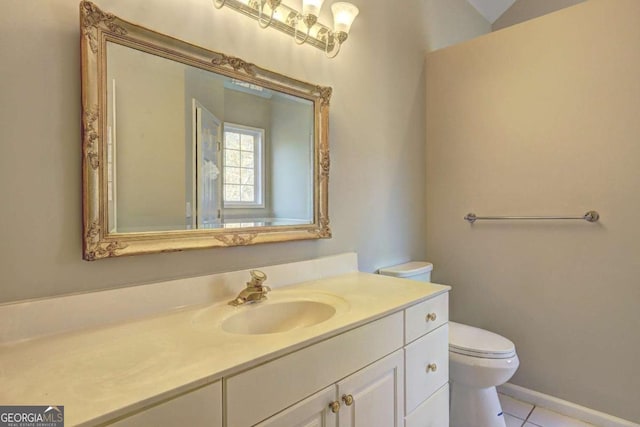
261	13
336	42
295	33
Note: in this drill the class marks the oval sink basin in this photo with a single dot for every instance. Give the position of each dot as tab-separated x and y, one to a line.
270	318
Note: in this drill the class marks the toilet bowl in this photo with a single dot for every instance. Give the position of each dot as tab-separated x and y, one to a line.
479	361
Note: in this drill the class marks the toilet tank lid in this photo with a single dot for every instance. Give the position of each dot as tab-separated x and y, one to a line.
408	269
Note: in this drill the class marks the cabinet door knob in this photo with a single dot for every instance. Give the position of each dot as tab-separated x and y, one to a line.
334	406
431	317
432	367
347	399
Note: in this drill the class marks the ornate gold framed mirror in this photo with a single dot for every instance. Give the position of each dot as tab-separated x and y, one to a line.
187	148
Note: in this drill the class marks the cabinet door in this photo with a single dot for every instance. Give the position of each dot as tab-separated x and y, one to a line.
312	412
373	396
199	408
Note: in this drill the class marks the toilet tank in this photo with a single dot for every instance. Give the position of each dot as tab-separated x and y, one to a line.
414	270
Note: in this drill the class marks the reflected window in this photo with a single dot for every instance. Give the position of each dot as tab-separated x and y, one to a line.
243	166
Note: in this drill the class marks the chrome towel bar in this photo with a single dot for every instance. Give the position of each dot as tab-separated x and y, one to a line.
591	216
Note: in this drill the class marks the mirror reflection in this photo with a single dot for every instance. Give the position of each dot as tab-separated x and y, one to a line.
188	148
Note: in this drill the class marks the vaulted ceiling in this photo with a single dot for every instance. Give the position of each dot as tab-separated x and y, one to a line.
491	9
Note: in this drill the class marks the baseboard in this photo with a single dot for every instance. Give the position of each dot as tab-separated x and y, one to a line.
564	407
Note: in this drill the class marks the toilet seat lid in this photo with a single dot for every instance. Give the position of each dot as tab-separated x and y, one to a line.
471	341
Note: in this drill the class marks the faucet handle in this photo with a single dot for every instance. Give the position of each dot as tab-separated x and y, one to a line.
257	277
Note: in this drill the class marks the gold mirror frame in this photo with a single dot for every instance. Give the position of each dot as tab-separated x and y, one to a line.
98	28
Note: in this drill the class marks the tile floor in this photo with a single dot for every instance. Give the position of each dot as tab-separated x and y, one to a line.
521	414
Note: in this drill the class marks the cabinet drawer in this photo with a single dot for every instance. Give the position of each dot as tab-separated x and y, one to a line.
426	366
425	317
433	412
282	382
199	408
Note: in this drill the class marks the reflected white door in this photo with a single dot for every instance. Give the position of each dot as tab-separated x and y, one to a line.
207	168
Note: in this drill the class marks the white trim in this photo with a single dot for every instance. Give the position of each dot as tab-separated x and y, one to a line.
564	407
35	318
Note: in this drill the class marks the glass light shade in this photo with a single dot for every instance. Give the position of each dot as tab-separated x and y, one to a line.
311	7
343	15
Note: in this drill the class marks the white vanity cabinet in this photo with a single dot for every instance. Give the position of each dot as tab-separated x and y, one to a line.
389	373
256	394
392	372
379	360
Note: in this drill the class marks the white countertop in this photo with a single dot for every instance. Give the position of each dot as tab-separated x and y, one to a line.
106	372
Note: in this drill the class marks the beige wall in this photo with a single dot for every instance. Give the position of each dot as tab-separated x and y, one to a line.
447	22
291	158
524	10
540	119
150	124
376	132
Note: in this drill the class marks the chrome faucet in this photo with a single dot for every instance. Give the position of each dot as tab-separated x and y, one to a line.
255	290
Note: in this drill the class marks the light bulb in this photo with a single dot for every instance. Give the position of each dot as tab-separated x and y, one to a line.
343	15
311	7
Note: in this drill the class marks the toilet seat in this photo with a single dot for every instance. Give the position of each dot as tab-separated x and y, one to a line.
476	342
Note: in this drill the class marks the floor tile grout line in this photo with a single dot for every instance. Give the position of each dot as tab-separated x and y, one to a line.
527	419
530	412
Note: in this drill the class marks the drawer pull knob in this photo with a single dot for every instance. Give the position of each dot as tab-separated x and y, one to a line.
334	406
347	399
432	367
431	317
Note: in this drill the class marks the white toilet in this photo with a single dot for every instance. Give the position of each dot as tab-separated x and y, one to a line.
479	361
